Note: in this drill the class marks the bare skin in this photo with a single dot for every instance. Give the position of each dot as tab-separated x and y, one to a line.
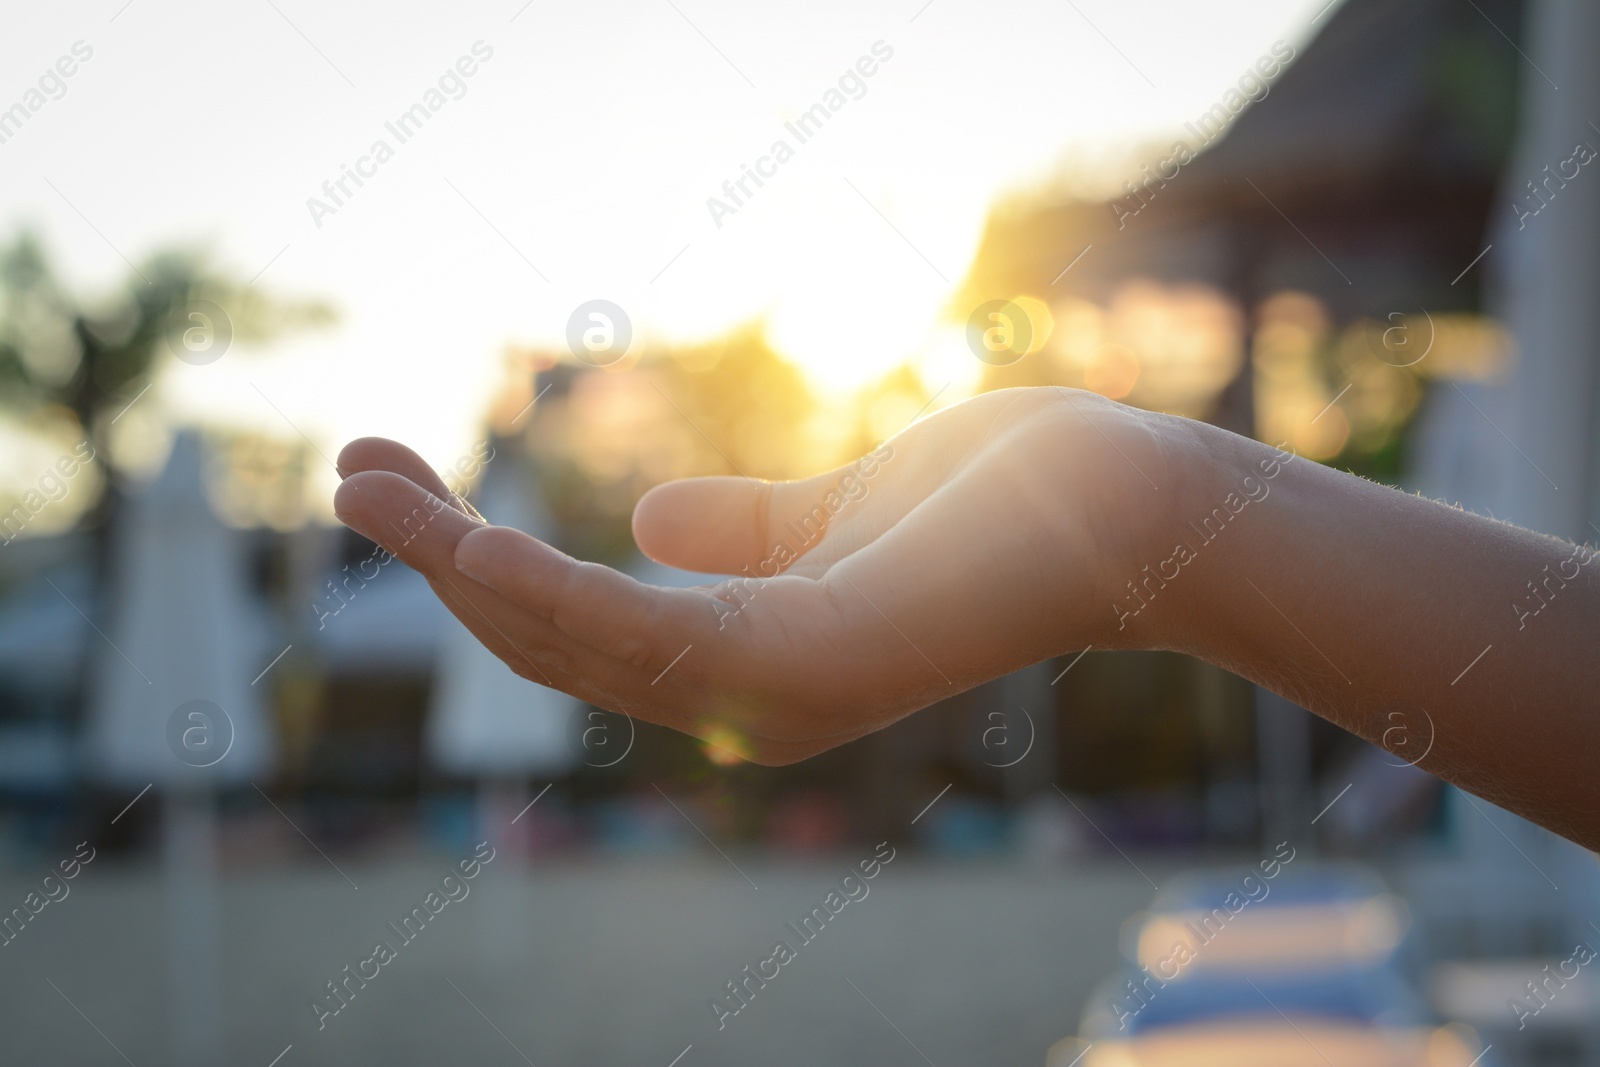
1021	525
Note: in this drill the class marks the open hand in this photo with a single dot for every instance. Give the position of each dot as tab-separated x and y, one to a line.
985	537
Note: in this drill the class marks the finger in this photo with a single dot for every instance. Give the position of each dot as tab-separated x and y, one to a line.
550	667
407	519
761	529
382	454
418	528
718	525
728	525
911	467
745	682
645	626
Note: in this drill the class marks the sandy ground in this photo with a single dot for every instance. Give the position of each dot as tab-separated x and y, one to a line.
593	962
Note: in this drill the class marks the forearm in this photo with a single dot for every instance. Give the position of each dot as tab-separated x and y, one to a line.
1415	625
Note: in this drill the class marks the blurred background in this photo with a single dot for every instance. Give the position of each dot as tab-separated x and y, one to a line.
570	252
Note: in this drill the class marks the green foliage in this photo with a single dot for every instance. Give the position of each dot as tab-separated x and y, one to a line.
88	355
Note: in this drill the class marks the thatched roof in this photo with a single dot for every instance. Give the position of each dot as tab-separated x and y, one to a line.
1364	174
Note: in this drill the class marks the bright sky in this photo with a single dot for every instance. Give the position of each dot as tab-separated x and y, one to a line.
577	165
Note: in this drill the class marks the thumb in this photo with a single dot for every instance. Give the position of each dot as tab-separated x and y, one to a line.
722	525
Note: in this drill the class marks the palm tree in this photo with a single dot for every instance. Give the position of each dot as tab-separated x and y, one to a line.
87	358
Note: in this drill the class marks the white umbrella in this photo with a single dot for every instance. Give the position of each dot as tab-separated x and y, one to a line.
172	704
170	695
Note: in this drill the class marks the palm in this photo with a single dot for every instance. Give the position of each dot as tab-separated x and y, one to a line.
977	543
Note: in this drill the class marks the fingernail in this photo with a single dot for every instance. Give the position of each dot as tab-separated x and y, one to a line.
467	559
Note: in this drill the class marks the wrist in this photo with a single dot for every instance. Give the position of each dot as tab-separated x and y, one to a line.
1177	588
